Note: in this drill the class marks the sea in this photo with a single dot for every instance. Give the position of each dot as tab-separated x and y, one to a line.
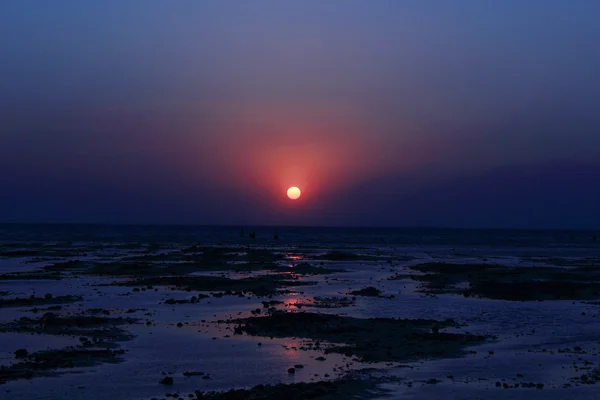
298	235
529	337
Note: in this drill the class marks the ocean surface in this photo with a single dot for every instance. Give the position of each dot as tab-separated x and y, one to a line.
529	336
52	233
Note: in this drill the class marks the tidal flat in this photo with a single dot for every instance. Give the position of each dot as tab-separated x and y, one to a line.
142	318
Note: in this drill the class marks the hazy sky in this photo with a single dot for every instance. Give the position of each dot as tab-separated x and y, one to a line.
448	113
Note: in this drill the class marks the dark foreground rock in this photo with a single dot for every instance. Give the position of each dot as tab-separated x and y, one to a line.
307	269
101	329
193	300
508	283
326	302
337	255
46	363
264	285
38	301
99	336
373	339
368	291
590	378
29	276
334	390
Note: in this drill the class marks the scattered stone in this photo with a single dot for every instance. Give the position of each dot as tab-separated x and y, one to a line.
192	300
271	303
368	291
36	301
264	285
21	353
509	283
50	362
191	373
340	389
373	339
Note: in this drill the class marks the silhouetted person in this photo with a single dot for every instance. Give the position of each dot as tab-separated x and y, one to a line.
594	238
242	232
251	235
275	235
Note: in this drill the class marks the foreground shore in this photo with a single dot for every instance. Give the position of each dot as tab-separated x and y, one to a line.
269	321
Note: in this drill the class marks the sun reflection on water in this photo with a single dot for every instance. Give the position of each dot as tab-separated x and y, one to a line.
294	256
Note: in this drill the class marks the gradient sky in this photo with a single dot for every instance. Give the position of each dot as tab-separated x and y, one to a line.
461	113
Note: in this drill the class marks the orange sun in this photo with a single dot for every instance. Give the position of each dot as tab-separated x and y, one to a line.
293	193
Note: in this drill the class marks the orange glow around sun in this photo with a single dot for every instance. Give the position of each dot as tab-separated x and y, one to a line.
294	193
267	150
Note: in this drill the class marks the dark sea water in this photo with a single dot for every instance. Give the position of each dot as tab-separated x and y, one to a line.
326	236
529	336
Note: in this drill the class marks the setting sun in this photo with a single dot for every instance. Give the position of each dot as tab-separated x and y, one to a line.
293	193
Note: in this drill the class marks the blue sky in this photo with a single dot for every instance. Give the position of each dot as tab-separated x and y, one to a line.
205	112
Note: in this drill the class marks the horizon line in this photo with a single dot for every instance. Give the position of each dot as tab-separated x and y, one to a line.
257	226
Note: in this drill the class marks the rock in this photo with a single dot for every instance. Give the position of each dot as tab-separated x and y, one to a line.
179	324
191	373
21	353
167	380
320	359
291	371
298	366
368	291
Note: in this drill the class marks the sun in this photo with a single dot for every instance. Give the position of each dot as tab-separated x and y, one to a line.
293	193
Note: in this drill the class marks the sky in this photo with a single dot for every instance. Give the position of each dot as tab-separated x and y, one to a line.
385	113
